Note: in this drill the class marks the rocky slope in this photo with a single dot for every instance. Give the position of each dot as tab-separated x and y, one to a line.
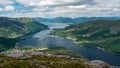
41	60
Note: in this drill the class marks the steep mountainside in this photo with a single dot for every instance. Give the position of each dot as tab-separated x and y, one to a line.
15	27
11	29
99	33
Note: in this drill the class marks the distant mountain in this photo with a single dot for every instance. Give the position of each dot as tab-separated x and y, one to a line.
75	20
11	29
104	34
85	19
57	19
64	20
39	19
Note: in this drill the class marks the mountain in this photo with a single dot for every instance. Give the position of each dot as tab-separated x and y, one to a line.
15	27
74	20
39	19
85	19
103	34
63	20
57	19
11	29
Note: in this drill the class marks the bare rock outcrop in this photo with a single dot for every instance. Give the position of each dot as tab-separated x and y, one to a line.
101	64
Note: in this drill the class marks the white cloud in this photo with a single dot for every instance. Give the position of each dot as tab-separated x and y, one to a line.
6	2
53	8
78	7
7	8
52	2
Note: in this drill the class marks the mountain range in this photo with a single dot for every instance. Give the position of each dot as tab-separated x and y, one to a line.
74	20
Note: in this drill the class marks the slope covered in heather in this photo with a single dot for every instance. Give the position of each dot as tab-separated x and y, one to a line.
40	60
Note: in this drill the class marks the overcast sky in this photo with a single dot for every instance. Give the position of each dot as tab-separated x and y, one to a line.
56	8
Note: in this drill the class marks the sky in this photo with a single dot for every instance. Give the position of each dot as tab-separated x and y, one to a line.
59	8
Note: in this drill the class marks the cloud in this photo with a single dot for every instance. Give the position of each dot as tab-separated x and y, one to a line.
53	2
54	8
6	2
7	8
6	5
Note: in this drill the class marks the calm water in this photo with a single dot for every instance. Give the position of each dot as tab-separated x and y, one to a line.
43	39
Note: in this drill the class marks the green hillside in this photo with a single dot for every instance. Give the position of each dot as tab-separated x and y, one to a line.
11	29
16	27
104	34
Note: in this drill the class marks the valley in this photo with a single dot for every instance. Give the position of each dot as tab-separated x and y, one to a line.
57	41
59	33
43	39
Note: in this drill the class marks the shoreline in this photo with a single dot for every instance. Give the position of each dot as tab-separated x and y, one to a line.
92	47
